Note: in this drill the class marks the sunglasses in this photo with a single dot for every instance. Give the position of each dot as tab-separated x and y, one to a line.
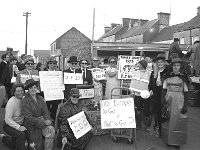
84	63
52	63
74	63
30	64
75	96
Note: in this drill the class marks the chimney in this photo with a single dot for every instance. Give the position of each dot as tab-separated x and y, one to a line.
163	20
106	29
114	25
125	22
198	10
143	22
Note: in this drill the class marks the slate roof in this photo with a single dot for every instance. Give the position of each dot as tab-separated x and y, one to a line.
192	24
112	31
167	33
139	30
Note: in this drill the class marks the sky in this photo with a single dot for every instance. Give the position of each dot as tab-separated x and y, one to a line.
50	19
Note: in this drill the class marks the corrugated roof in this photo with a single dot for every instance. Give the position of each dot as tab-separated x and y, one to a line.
139	30
167	33
112	31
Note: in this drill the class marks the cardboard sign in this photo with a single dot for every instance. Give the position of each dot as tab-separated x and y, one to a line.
79	124
126	65
53	95
51	77
117	113
86	93
73	78
98	74
24	77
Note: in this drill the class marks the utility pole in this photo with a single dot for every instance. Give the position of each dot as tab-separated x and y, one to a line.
26	14
93	33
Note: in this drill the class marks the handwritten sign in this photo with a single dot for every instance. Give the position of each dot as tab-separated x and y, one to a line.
53	95
24	77
73	78
98	74
126	65
79	124
86	93
117	113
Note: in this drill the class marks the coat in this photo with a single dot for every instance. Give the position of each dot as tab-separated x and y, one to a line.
2	67
86	76
34	115
196	59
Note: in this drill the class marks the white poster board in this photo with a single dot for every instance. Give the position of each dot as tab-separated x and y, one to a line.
24	77
79	124
86	93
117	113
98	74
126	65
53	95
73	78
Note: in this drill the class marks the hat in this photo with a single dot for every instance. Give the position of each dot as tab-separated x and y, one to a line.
29	83
74	91
176	60
95	58
112	57
72	59
143	63
28	58
159	56
52	59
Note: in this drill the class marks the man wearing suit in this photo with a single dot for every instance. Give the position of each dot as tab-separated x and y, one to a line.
4	62
73	65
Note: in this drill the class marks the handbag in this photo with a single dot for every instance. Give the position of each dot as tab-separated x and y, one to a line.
165	114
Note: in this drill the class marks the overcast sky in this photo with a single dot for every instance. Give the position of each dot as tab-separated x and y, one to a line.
51	18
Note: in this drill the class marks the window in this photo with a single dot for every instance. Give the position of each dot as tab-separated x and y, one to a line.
195	38
182	40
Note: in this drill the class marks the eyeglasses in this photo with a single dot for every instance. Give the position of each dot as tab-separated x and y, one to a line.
30	64
112	61
52	63
84	63
74	63
75	96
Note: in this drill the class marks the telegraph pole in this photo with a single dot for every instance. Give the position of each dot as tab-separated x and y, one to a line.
93	33
26	14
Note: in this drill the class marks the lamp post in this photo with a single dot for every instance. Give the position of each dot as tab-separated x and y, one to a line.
26	14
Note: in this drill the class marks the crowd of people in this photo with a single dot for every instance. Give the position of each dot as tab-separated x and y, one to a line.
32	121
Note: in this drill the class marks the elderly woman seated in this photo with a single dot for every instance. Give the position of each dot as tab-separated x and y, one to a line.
67	110
37	119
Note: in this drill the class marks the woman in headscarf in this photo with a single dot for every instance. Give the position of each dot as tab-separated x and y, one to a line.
174	96
36	118
155	85
112	79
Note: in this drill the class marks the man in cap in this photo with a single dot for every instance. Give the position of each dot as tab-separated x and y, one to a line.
67	110
174	49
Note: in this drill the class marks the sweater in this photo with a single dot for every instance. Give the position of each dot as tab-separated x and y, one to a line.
13	115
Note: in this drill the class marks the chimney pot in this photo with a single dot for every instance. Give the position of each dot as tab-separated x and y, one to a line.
198	10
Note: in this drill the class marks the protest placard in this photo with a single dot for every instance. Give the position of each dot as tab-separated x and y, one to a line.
86	93
117	113
53	95
73	78
98	74
126	65
24	77
79	124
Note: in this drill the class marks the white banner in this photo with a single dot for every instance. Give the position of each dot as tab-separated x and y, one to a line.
126	65
24	77
86	93
98	74
73	78
53	95
79	124
117	113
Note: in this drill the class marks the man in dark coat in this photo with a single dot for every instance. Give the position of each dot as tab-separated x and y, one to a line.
73	62
174	49
4	62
